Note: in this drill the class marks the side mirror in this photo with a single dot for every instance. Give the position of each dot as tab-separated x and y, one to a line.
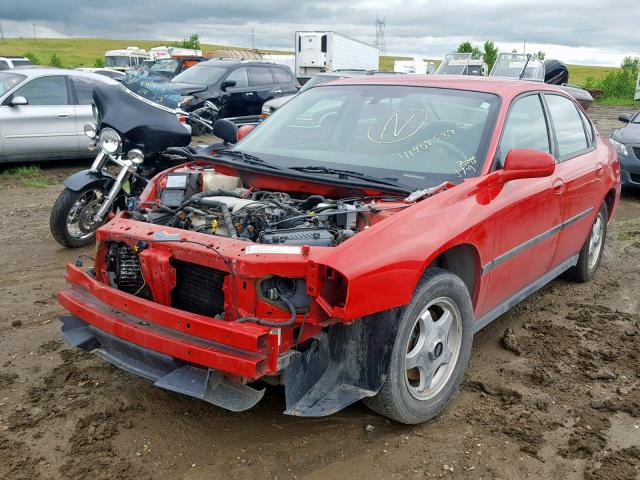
226	130
624	117
19	100
525	163
244	130
226	84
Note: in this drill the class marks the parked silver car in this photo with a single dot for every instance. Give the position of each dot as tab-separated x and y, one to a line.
43	112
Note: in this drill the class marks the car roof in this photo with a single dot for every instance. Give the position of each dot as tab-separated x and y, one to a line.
229	62
500	86
13	57
35	71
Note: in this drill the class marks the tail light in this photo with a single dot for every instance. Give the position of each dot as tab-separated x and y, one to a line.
182	118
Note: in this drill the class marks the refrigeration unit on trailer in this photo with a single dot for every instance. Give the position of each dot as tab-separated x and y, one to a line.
318	52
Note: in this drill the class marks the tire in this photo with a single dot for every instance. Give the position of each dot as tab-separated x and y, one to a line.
588	258
61	211
403	397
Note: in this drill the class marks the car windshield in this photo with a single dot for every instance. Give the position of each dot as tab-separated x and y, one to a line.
635	119
518	65
201	74
317	80
9	80
116	61
419	136
166	65
152	86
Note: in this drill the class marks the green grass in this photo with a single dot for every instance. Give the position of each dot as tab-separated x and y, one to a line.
83	52
629	230
30	175
619	102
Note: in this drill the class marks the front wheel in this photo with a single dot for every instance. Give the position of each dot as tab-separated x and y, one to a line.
430	352
71	222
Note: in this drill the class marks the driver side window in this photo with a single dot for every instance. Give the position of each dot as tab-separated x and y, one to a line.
525	127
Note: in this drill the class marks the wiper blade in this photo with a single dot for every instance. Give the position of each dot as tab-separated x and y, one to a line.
345	174
248	158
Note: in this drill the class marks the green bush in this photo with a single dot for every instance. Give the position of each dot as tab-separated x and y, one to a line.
620	84
55	61
99	63
32	56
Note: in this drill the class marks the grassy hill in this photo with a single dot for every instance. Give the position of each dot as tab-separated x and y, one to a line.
83	52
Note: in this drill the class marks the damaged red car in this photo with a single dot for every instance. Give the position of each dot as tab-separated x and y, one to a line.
350	246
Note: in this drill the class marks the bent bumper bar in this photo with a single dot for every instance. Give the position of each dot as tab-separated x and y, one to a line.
166	372
243	350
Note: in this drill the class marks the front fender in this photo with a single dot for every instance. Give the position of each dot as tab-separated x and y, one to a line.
88	178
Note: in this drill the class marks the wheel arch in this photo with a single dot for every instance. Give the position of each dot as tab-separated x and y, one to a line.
610	201
462	260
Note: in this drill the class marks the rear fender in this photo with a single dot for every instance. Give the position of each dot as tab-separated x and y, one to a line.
88	178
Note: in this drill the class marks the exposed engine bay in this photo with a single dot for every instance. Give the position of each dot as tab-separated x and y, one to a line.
207	202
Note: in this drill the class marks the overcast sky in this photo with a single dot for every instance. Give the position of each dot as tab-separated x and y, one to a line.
575	31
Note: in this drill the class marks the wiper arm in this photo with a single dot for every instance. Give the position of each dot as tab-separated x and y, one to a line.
248	158
345	174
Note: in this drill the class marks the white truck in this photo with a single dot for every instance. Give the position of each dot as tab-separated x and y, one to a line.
125	60
318	52
280	59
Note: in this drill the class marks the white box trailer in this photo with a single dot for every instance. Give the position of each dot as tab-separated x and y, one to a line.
280	59
318	52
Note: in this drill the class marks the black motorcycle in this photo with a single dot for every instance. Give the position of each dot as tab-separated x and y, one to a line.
132	132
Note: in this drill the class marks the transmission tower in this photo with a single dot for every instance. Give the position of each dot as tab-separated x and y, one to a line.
380	43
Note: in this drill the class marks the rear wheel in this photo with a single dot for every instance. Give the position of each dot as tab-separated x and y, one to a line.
71	220
430	352
591	252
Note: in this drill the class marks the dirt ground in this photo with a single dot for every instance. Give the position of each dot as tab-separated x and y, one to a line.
553	389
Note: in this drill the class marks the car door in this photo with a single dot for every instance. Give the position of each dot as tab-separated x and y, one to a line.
527	212
285	84
83	101
264	84
238	97
580	171
44	127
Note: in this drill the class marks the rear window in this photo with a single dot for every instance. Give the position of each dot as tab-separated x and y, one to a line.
281	75
568	126
21	63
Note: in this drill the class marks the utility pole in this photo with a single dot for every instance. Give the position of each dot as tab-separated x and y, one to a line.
524	46
253	40
380	42
35	38
1	33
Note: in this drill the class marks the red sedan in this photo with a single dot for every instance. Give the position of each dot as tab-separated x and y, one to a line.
351	245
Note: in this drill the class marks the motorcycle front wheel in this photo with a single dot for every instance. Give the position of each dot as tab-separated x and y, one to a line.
71	222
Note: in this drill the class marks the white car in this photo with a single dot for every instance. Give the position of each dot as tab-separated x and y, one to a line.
43	112
7	63
107	72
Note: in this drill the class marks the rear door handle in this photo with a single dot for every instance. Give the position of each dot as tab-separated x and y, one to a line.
277	91
558	186
62	115
249	94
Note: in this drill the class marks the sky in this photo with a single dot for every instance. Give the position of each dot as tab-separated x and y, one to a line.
575	31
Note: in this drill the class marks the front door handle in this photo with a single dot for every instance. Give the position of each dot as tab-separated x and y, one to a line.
558	186
248	94
62	115
277	91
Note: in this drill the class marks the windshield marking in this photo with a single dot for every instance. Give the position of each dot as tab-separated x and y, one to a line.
463	167
401	116
426	144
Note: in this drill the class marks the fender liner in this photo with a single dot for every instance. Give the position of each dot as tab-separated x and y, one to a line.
88	178
343	365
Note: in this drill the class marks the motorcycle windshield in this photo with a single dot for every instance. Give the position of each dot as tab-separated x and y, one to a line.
142	124
153	86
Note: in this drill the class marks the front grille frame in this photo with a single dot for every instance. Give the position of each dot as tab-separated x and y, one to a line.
198	289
